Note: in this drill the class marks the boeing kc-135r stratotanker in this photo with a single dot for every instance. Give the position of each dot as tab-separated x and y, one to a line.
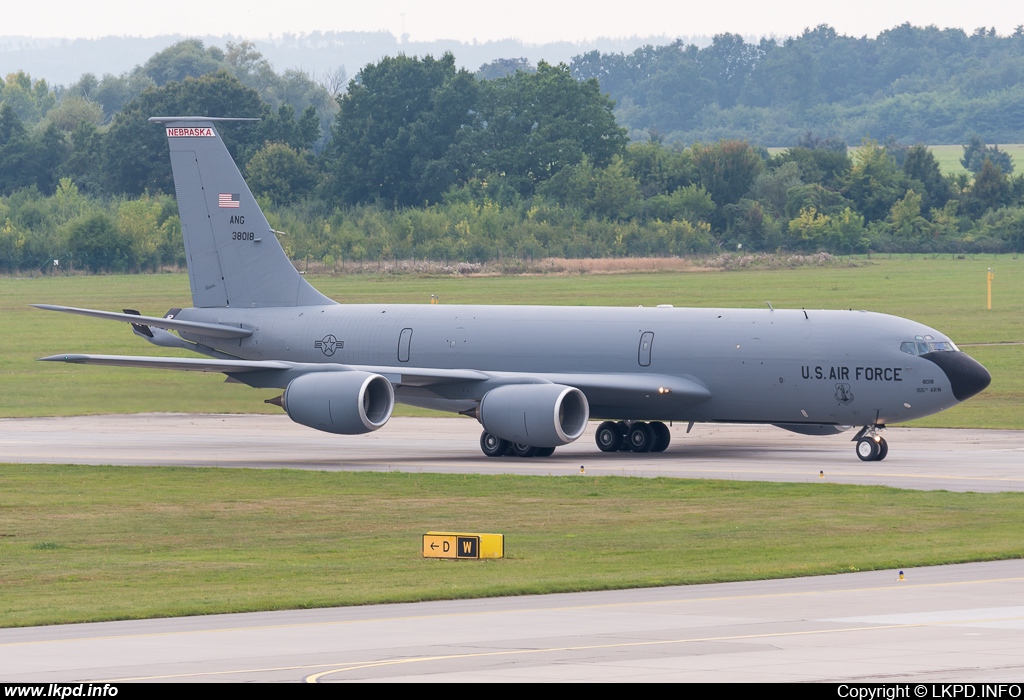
532	375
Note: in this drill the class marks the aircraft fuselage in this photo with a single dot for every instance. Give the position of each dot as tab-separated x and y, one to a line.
765	366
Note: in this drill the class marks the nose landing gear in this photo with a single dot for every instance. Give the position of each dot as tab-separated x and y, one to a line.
871	447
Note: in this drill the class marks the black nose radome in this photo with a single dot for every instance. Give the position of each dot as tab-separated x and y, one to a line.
966	374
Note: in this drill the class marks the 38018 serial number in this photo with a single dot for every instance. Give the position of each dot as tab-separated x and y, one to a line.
243	236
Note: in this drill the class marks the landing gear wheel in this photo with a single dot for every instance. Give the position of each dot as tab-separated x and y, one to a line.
867	449
641	438
521	450
544	451
883	449
624	432
662	436
608	437
492	445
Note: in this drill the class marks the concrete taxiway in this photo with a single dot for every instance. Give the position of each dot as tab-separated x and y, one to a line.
941	624
950	623
956	460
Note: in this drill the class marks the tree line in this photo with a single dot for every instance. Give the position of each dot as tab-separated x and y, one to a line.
424	160
917	84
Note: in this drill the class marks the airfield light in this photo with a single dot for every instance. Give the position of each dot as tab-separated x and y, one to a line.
991	276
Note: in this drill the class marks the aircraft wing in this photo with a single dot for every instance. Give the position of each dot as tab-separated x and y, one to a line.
608	388
605	388
421	376
601	388
396	375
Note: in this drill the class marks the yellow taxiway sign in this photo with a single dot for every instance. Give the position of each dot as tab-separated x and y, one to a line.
463	545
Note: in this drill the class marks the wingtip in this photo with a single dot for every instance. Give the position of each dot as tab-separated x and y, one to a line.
60	358
51	358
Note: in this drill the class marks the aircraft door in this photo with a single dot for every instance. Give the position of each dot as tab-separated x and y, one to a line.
403	344
644	351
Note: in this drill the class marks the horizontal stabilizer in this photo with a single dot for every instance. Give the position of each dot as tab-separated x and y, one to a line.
211	330
179	363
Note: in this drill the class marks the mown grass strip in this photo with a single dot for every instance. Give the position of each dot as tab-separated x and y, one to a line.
98	543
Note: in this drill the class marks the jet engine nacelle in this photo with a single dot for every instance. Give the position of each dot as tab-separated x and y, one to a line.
348	403
539	415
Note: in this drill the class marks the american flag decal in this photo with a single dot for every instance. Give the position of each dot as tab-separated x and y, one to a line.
228	201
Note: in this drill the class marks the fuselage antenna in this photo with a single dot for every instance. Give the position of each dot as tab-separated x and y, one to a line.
770	305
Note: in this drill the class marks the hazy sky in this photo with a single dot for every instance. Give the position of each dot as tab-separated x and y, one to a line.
533	21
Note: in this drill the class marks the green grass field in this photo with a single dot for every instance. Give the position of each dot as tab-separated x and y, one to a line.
944	293
949	157
96	543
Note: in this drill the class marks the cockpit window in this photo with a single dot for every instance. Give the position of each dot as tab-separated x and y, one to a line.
923	347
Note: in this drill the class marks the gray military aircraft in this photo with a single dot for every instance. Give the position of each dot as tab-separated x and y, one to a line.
532	375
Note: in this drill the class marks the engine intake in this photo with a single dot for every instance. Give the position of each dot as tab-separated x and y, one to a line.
347	403
539	415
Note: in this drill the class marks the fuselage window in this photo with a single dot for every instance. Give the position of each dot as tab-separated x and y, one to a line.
908	348
403	344
644	352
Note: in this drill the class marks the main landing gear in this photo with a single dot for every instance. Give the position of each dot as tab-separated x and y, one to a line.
494	446
871	447
611	436
632	436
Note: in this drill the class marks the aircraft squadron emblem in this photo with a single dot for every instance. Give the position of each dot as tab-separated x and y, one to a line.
329	344
843	393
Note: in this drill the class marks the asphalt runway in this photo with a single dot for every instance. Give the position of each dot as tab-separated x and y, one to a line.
941	624
955	460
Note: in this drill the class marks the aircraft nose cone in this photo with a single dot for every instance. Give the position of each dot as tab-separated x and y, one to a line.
966	375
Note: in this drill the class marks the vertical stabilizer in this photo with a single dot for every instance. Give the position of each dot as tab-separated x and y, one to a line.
234	257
